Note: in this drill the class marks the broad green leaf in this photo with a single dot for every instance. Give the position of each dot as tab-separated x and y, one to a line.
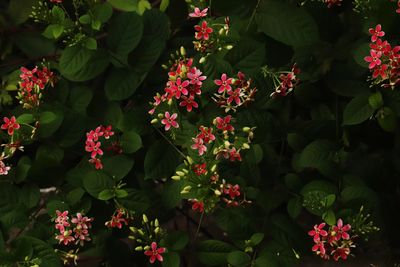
95	182
143	6
125	32
330	199
124	5
214	252
50	151
375	100
90	43
23	166
49	122
171	259
121	193
357	110
30	195
25	118
293	26
176	241
53	31
387	119
118	166
54	205
106	194
257	238
33	44
160	160
360	53
164	5
75	195
19	10
294	207
130	142
102	12
80	98
247	55
171	194
238	258
121	84
329	217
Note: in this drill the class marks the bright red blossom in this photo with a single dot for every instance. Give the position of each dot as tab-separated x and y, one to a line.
169	121
224	83
10	124
374	59
155	253
223	124
203	31
376	33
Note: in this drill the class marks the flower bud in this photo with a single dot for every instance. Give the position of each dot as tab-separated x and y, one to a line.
187	188
140	231
145	218
164	66
228	47
169	102
133	229
221	31
180	173
176	177
246	129
183	51
190	160
154	121
214	168
202	60
146	248
245	146
139	248
157	230
185	171
227	143
160	115
217	192
156	223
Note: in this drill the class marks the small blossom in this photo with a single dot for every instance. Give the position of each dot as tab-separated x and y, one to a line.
199	145
319	248
232	190
65	237
373	59
155	253
107	131
10	124
169	121
3	168
117	220
341	230
197	13
331	3
224	83
376	33
195	77
97	163
94	148
200	169
234	95
203	31
206	134
318	231
62	220
197	205
189	103
224	123
340	253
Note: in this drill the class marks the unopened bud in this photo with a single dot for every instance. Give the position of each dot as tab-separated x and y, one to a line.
133	229
180	173
157	230
185	171
176	177
217	192
183	51
139	248
154	121
221	31
202	60
214	168
140	231
156	223
246	129
164	66
169	102
145	218
187	188
146	248
160	115
245	146
229	47
227	143
190	160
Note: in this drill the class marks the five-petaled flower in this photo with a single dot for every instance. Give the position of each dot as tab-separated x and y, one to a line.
203	31
224	123
10	125
376	33
374	59
155	252
199	145
224	84
341	230
3	168
197	13
169	121
197	205
318	231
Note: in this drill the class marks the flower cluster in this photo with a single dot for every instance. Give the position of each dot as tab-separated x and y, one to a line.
384	60
75	230
284	82
10	124
93	144
234	93
334	242
33	82
147	236
231	192
120	217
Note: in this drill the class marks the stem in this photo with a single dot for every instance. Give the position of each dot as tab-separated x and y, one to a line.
169	142
198	227
252	15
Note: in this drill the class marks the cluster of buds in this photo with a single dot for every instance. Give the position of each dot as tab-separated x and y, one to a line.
183	86
284	81
93	144
75	230
120	217
384	61
234	93
33	82
209	36
335	242
147	238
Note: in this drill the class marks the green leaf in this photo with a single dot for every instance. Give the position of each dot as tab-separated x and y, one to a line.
30	195
130	142
257	238
176	241
387	119
330	199
96	24
85	19
54	205
357	110
90	43
124	5
50	152
238	259
118	166
375	100
79	98
171	259
125	33
106	194
23	166
329	217
294	207
143	6
171	194
33	44
121	84
247	55
75	195
293	26
214	252
164	5
49	122
121	193
160	160
360	53
77	63
102	12
25	118
96	181
53	31
19	10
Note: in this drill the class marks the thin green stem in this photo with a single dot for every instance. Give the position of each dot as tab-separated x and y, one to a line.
198	227
252	15
169	142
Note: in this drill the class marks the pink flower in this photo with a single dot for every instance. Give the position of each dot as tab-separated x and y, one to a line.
398	9
3	168
234	95
197	205
206	134
380	71
117	220
203	31
94	135
198	14
169	121
224	84
341	231
195	77
199	145
373	59
189	103
107	131
340	253
56	1
319	248
223	123
62	220
234	155
94	148
317	232
97	163
376	33
65	237
179	88
155	253
232	190
10	124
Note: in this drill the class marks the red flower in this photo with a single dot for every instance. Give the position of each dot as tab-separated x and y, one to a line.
373	59
62	220
169	121
376	33
195	77
189	103
56	1
234	95
340	253
203	31
319	248
380	71
155	253
199	145
332	3
317	232
97	163
223	123
94	148
197	205
232	190
206	134
65	237
94	135
224	84
341	231
10	124
3	168
198	14
398	9
200	169
179	88
234	155
107	131
117	220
